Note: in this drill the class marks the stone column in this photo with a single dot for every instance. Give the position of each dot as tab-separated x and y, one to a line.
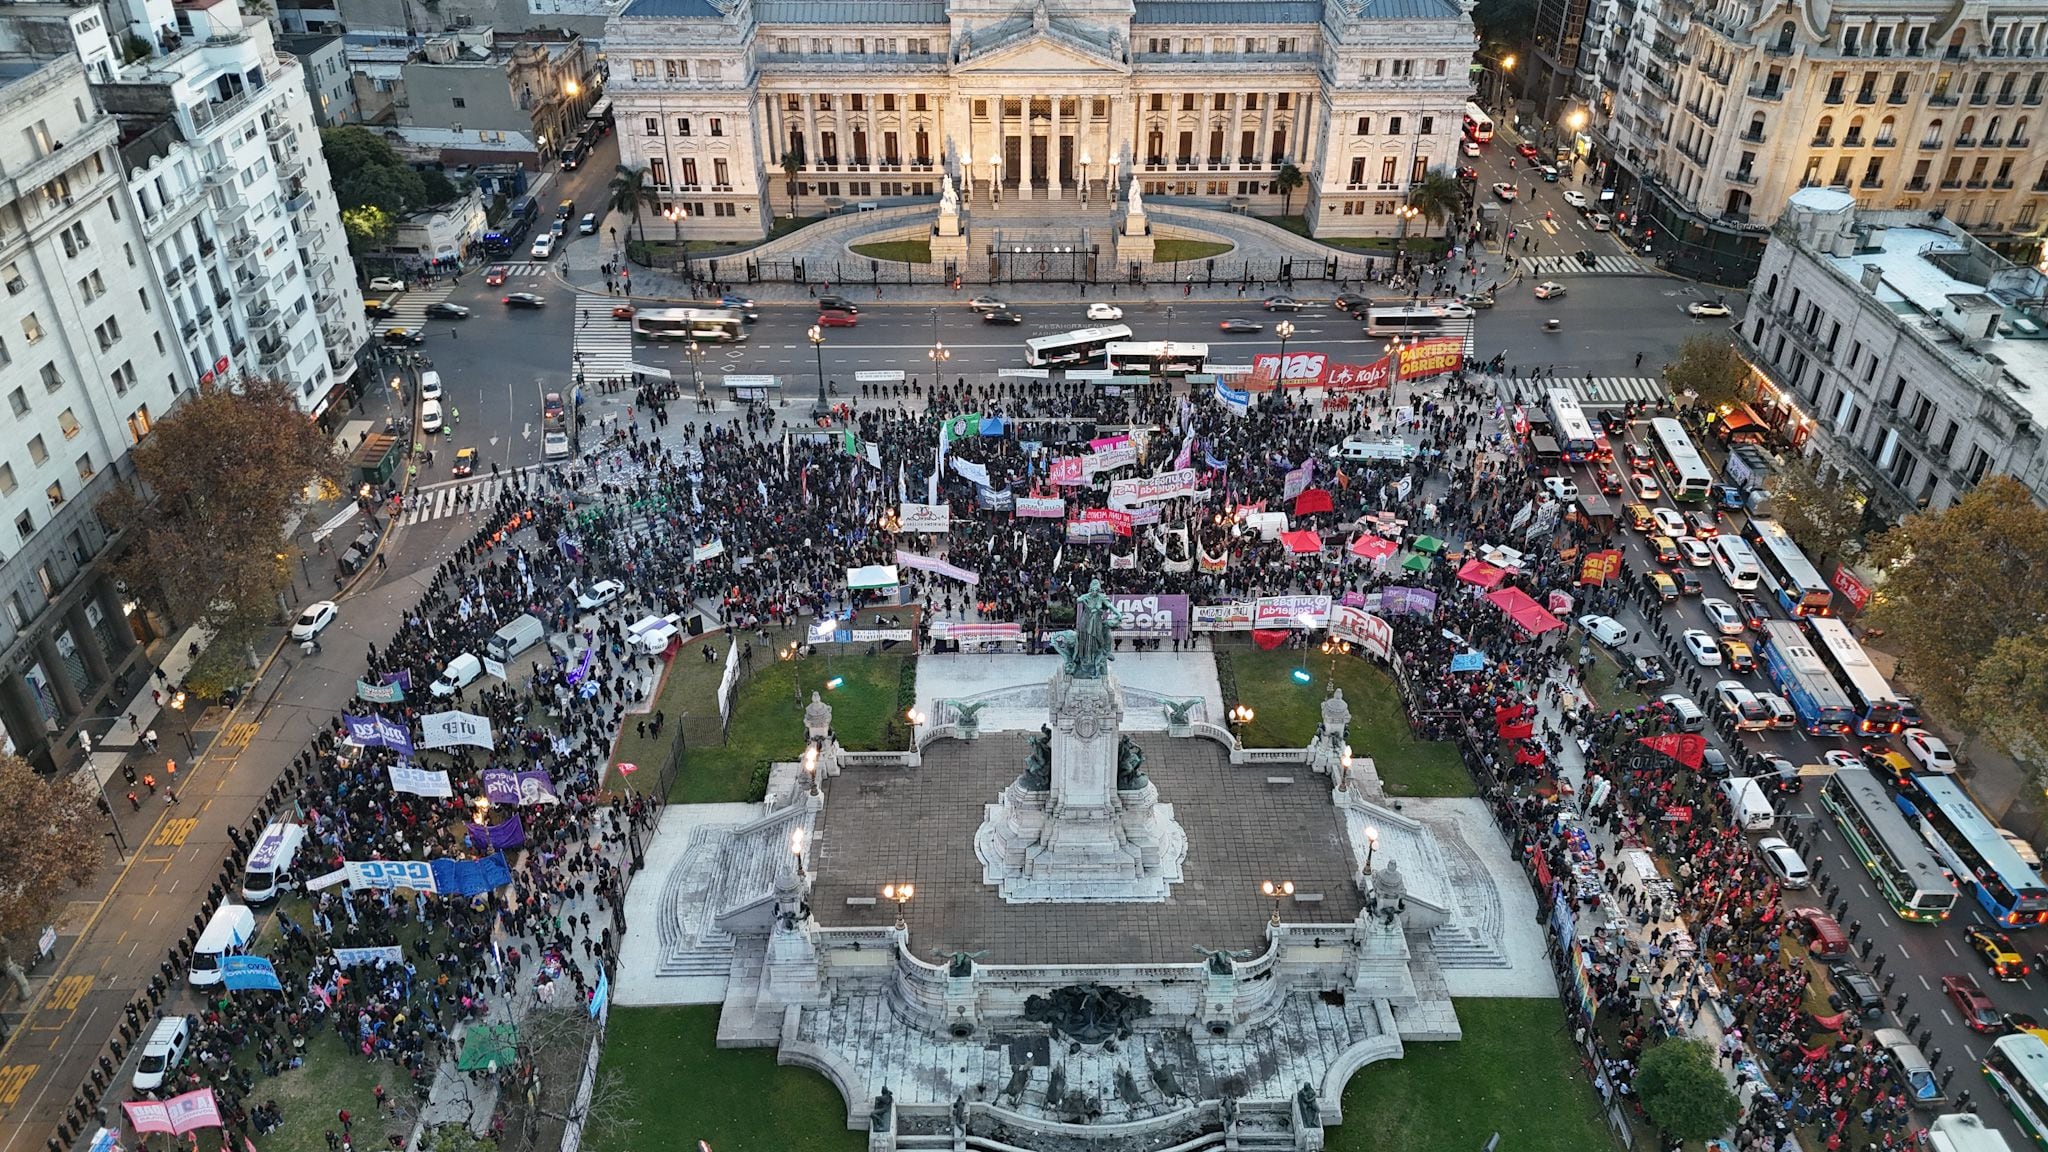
1083	146
88	643
1056	188
1234	143
69	706
20	714
110	603
810	131
995	157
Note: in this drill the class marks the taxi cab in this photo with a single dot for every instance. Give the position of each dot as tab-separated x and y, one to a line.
1639	517
1737	654
1666	550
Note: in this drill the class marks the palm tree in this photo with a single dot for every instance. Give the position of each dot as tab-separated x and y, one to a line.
1287	180
630	190
792	163
1438	197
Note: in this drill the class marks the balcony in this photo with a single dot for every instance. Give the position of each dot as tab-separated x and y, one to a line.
2001	184
173	277
278	130
1966	141
2017	142
2007	99
1871	182
1930	145
264	316
1885	142
221	298
1823	142
293	169
1867	96
1896	98
1853	140
1919	184
241	244
1832	98
1943	100
1753	137
1976	182
299	203
1739	177
1979	99
2031	99
220	175
1951	184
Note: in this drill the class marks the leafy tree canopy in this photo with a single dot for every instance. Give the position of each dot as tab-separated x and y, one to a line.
49	844
1825	519
1684	1092
1710	368
367	171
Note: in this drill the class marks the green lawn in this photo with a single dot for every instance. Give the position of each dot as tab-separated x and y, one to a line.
1515	1073
1295	224
331	1079
688	1090
1603	684
899	251
1164	251
1287	712
768	720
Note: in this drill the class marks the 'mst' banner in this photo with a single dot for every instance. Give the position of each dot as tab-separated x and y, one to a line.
1432	358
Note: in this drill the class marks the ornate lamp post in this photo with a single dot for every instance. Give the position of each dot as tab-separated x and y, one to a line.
1279	891
823	408
901	894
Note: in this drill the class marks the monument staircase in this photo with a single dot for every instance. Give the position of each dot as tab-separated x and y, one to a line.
1444	872
755	854
724	883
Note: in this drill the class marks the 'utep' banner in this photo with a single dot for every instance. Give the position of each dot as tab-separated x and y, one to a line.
244	973
533	786
447	729
178	1115
383	954
491	837
924	563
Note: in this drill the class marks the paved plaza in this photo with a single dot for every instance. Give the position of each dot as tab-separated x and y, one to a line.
889	825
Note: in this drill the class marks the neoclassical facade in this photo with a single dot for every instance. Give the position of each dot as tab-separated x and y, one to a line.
733	105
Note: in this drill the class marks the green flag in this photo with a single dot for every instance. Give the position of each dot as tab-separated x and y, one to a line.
964	426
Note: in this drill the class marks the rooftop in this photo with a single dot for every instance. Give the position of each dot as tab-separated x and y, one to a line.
1228	11
1930	268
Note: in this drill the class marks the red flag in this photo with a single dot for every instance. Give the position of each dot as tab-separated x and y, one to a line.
1686	748
1269	638
1516	730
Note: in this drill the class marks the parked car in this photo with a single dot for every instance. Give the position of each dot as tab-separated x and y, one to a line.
1783	859
600	594
1822	934
588	225
1605	629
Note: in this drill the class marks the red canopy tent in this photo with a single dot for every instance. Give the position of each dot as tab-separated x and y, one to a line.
1481	573
1532	617
1302	541
1313	500
1370	547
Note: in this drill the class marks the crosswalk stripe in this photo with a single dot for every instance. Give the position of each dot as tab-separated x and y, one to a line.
524	268
409	311
1569	265
603	346
1601	392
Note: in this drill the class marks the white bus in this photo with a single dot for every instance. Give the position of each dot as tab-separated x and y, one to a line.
1908	876
2017	1068
1574	434
1736	562
1401	320
1964	1132
1478	125
1877	706
712	325
1072	347
1687	479
1794	579
1155	357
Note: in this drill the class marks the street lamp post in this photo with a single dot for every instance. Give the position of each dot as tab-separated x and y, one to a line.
823	408
1279	891
696	368
939	353
1372	844
1285	331
901	894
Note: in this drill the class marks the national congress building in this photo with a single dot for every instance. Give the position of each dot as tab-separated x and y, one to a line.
740	108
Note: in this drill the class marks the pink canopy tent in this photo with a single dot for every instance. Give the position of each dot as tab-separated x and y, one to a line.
1481	573
1532	617
1370	547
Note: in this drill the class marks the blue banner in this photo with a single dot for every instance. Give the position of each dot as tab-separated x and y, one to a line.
601	993
1237	401
472	877
991	425
243	973
379	693
1468	662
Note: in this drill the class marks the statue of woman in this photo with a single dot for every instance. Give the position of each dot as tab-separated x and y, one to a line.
1093	618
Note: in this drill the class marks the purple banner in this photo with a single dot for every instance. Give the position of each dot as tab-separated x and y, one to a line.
490	838
1151	615
1354	599
363	731
402	678
582	668
515	788
1400	598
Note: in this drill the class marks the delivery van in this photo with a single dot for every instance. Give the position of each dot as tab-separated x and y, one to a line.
516	637
1746	801
227	934
271	861
460	673
162	1052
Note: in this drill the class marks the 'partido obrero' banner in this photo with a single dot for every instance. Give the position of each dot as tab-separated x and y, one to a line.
1432	358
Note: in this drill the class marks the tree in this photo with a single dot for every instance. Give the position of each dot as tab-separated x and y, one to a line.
438	188
1958	584
630	190
1826	520
48	846
2009	696
1710	368
793	163
367	171
1287	180
369	228
1683	1091
205	512
1438	196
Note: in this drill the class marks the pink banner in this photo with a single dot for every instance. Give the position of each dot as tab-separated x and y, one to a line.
924	563
1119	521
1041	507
1069	471
178	1115
1109	443
1313	369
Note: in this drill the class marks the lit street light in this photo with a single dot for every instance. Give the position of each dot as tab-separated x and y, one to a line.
822	409
1278	892
901	894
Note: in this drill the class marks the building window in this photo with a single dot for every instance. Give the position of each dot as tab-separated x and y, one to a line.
18	401
720	175
67	423
1393	125
7	484
25	525
459	102
653	125
1428	125
37	452
717	126
682	125
1387	171
689	171
32	328
138	423
52	378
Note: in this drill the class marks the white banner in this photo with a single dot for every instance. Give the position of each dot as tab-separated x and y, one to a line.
385	954
932	518
447	729
711	551
495	668
1140	489
420	782
1291	612
1363	629
417	875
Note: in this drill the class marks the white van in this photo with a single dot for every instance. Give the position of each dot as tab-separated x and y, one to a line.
230	930
1363	450
516	637
430	415
1746	800
162	1052
459	674
1737	563
270	861
430	385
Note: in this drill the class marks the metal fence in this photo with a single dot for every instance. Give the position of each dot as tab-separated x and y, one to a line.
984	267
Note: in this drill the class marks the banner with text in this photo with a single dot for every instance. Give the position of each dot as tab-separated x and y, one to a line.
448	729
1363	629
1151	616
420	781
924	563
1234	617
1291	612
931	518
1041	507
1432	358
1144	489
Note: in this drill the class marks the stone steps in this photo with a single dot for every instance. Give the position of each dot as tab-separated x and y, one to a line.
752	858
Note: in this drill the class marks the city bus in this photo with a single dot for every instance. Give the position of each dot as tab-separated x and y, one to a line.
1684	472
1906	872
711	325
1574	434
2017	1068
1797	670
2010	892
1964	1132
600	116
1790	575
1072	347
1155	357
1478	125
1876	705
1402	320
